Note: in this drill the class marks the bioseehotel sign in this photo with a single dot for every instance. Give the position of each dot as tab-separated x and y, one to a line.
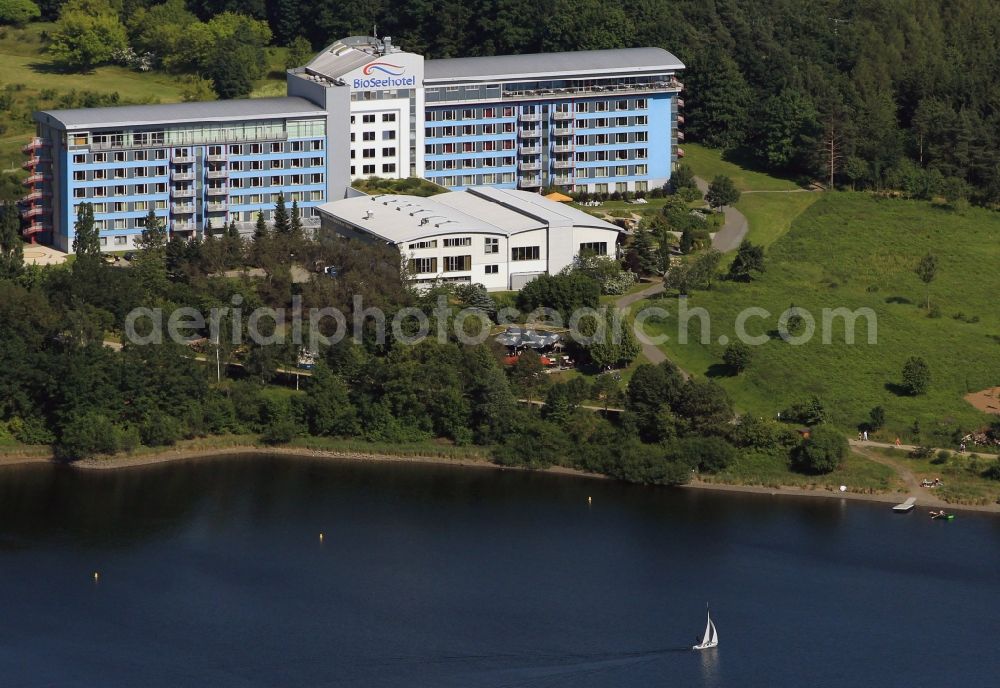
395	70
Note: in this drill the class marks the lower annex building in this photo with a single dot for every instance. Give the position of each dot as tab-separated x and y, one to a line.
596	121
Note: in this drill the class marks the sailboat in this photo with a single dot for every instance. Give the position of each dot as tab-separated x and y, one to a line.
711	637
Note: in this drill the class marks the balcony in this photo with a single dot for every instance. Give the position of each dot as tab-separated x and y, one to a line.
530	149
680	102
563	164
530	133
216	157
217	174
34	212
530	166
562	116
680	152
562	148
36	178
562	131
33	162
530	181
182	208
680	119
34	228
531	117
34	144
217	190
182	226
187	192
680	136
36	196
216	207
182	176
563	180
182	159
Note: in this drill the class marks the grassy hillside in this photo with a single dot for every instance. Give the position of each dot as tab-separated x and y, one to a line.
34	82
856	251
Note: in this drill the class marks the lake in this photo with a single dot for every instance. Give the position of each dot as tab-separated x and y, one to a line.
214	574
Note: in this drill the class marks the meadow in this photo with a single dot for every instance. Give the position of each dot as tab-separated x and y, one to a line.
856	251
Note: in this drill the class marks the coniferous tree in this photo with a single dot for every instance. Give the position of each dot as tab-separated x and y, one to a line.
295	224
86	239
281	223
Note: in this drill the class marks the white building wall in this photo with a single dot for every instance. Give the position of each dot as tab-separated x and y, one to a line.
386	122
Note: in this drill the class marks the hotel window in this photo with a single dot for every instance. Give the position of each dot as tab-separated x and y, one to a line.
430	243
621	137
104	241
389	117
492	245
120	156
161	154
275	148
161	188
641	136
641	169
642	186
388	152
120	191
277	164
422	265
489	162
79	193
457	263
121	173
601	122
640	104
508	144
447	131
80	159
460	241
368	169
100	174
161	205
468	113
599	248
276	180
119	223
140	155
141	190
508	127
353	170
79	176
621	121
508	111
141	205
622	105
581	107
368	119
389	168
368	136
602	106
315	196
368	153
491	269
255	149
525	253
489	128
642	119
621	171
121	240
389	135
600	188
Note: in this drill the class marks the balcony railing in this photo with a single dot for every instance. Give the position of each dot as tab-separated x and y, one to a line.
183	193
34	212
562	164
680	119
217	190
182	176
35	144
529	181
182	159
35	196
530	133
35	178
562	180
530	166
560	116
182	226
531	117
33	162
562	148
680	102
35	228
530	149
182	208
562	131
216	174
216	207
216	157
680	135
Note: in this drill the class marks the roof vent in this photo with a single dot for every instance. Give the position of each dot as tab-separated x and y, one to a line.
369	215
423	221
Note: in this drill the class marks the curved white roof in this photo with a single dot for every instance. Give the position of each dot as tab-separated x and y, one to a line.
551	65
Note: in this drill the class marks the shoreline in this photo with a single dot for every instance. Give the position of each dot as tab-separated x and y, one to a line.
126	461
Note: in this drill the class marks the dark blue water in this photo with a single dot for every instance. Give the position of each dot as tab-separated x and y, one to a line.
213	574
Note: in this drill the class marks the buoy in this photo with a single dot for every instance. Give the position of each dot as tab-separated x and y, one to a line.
97	576
321	537
590	500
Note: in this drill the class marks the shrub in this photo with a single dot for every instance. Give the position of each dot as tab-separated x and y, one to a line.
992	472
916	376
280	431
707	454
738	356
876	418
163	431
30	430
821	452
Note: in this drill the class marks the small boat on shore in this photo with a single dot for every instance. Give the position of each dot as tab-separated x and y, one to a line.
942	516
711	637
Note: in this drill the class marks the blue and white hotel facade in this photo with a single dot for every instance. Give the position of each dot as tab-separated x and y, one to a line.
598	121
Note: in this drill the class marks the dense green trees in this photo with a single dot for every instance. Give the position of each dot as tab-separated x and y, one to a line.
748	261
722	192
822	452
18	12
88	33
916	376
11	244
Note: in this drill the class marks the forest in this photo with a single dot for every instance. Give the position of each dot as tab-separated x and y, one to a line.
873	94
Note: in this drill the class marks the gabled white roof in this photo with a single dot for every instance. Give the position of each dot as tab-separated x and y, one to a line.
401	219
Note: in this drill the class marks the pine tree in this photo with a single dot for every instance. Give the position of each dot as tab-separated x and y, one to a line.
208	229
296	222
260	229
150	263
87	241
281	225
11	244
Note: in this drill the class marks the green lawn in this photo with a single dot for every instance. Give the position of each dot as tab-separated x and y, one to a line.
708	163
770	215
856	251
960	473
857	473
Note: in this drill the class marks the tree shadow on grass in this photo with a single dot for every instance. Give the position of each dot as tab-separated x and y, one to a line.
898	299
717	370
748	160
897	389
57	69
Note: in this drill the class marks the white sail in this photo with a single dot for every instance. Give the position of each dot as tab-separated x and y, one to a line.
711	637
